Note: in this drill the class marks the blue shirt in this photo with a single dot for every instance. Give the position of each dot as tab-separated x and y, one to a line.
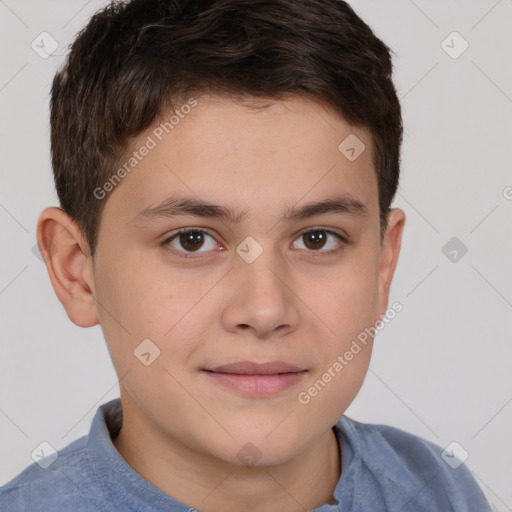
383	469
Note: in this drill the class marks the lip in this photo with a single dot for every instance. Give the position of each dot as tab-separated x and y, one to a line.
253	368
256	379
256	385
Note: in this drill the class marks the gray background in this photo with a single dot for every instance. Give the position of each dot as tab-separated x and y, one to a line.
441	369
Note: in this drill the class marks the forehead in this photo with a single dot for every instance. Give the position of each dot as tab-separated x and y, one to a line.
263	155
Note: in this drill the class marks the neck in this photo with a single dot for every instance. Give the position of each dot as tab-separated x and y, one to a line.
204	482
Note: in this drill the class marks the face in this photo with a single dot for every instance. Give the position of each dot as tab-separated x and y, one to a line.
262	285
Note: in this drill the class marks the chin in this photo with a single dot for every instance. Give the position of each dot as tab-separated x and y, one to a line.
255	447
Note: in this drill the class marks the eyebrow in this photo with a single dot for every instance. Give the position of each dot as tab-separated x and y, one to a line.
179	206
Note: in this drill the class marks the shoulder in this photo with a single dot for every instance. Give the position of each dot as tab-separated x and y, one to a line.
415	468
53	487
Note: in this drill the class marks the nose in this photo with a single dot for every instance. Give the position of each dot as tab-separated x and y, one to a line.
260	298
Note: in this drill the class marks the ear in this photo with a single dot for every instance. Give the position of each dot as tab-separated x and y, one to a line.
67	257
390	250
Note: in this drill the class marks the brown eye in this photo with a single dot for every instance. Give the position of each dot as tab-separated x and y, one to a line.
188	241
191	240
316	239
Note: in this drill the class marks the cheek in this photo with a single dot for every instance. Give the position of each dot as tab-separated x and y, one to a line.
140	294
146	300
347	304
133	305
346	301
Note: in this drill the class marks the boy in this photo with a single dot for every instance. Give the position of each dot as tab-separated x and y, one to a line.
225	171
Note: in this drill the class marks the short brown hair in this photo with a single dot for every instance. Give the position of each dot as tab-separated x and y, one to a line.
134	59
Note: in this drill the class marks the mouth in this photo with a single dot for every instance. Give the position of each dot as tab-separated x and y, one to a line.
256	379
253	368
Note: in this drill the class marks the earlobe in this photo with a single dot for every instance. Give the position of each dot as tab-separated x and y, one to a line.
390	251
66	255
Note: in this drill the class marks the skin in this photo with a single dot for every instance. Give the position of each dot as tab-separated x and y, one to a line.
181	431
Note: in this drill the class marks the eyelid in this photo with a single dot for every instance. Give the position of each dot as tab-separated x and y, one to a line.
334	231
165	243
342	237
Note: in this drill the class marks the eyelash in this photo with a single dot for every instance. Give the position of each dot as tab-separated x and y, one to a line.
197	254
